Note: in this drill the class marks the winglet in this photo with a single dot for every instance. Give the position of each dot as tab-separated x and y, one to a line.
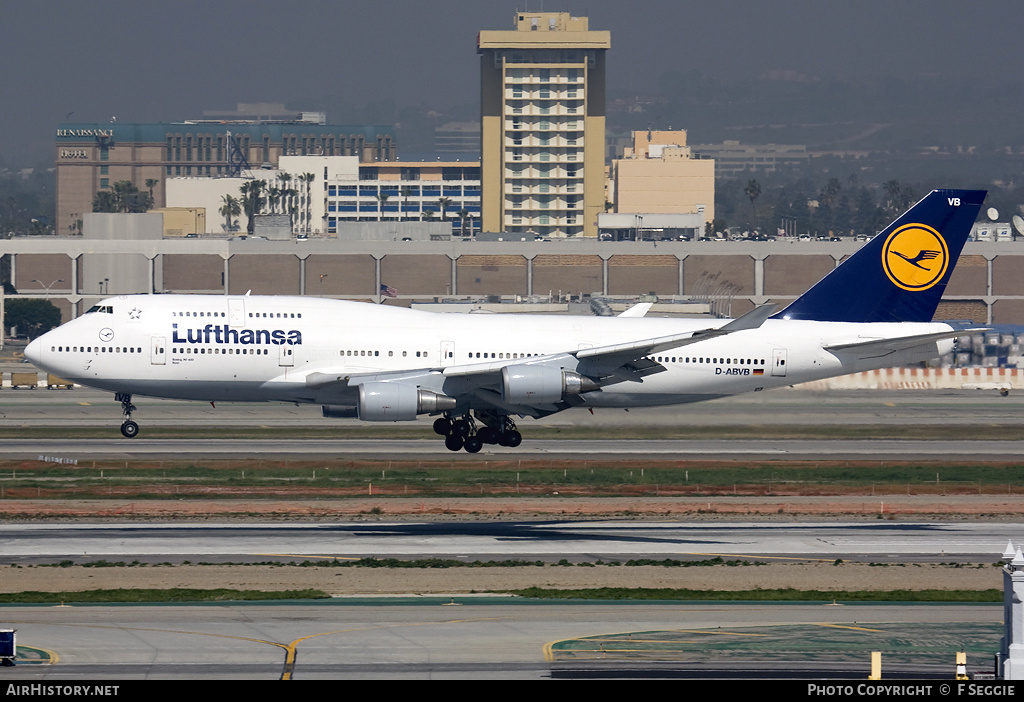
900	275
638	310
752	319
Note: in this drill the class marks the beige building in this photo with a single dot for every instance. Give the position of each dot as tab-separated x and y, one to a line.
659	175
327	192
542	104
733	159
93	157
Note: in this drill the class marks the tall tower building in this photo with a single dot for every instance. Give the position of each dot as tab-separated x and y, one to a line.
542	109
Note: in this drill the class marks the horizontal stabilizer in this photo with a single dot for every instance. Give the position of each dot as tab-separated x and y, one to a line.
883	347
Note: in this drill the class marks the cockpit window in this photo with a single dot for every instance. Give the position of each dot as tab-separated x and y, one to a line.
106	309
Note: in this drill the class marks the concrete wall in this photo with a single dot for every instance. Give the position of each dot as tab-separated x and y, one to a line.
988	288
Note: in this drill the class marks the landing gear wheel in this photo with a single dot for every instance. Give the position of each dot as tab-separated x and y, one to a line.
511	438
442	426
129	429
462	427
489	435
453	442
473	444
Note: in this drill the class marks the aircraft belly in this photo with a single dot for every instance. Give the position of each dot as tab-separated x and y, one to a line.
202	390
629	399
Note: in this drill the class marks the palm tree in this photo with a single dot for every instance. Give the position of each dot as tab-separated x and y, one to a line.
273	197
307	178
382	198
406	191
463	214
252	202
230	209
753	191
892	190
104	202
444	203
831	191
291	206
150	184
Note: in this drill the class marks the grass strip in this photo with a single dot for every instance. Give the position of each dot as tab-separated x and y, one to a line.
158	596
765	595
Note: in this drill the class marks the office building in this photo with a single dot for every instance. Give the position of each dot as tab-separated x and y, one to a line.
659	175
93	157
542	102
322	193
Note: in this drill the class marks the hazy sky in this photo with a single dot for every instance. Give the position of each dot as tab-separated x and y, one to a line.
168	61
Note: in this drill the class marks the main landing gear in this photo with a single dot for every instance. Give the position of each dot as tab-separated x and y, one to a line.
462	433
129	429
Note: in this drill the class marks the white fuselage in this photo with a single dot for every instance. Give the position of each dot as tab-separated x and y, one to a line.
256	348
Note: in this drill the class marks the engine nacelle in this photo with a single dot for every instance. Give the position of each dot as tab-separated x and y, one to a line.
529	385
399	402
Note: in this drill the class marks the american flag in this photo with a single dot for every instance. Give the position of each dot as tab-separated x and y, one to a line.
388	291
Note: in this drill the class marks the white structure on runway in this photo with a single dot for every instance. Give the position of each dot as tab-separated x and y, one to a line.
1011	653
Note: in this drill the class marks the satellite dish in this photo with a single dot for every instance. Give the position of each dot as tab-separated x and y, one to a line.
993	214
1018	224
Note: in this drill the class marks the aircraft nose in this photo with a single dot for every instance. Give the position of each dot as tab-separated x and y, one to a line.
34	351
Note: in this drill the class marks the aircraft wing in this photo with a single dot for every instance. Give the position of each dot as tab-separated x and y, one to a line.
877	348
605	365
603	361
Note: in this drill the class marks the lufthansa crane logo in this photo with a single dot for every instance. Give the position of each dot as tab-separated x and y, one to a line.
915	257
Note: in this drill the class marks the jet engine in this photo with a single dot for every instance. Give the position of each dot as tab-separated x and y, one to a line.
399	402
530	385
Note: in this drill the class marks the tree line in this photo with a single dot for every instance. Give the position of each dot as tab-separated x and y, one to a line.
831	207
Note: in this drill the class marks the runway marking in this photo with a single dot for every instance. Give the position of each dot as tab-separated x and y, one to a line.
52	658
289	654
854	628
549	653
292	653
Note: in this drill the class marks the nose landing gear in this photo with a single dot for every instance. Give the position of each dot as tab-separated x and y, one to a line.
129	429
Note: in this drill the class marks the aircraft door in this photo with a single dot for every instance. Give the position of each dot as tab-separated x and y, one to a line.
779	362
287	355
158	350
236	311
447	353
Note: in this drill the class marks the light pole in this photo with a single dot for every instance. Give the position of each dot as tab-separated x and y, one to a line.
47	287
322	276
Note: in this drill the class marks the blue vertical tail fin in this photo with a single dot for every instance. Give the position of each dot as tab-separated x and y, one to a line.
900	275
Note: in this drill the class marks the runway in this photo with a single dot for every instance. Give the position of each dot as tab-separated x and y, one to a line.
549	541
87	408
83	407
462	637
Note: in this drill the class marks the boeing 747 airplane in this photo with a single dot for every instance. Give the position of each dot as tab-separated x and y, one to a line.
476	372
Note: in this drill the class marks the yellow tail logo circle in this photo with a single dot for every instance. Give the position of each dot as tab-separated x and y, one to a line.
915	257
